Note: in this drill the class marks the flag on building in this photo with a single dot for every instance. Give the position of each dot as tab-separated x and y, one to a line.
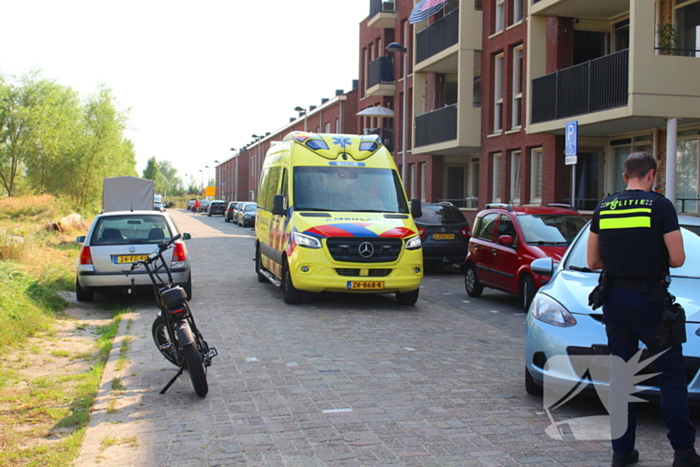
425	9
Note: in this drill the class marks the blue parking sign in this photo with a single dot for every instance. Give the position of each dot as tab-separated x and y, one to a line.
571	138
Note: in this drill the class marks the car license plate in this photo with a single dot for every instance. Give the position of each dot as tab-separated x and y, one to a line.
443	236
365	285
129	259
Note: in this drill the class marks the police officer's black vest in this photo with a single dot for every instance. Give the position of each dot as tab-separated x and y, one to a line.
631	242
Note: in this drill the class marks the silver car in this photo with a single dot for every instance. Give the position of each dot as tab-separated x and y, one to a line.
118	238
560	322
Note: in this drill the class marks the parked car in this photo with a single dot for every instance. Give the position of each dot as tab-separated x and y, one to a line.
190	204
560	322
158	207
203	205
246	214
118	238
229	213
506	239
444	233
216	207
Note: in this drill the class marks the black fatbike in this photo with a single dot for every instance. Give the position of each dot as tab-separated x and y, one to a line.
174	330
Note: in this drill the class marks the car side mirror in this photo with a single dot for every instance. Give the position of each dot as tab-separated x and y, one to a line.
543	266
278	206
80	239
186	236
416	210
505	240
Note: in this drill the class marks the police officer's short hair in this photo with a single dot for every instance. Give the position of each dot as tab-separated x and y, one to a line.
638	164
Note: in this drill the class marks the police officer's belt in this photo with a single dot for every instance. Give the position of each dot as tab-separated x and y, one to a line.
632	286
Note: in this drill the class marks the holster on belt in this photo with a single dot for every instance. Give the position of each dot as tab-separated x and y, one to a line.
600	292
671	331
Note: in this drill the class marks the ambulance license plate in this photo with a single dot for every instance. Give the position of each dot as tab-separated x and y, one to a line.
129	259
443	236
365	285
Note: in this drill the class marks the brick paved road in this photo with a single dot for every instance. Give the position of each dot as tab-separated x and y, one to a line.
341	380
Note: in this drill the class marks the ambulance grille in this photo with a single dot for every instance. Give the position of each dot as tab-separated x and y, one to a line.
383	250
356	272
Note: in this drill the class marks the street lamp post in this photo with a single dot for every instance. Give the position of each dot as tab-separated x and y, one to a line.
395	47
216	180
301	110
235	177
202	172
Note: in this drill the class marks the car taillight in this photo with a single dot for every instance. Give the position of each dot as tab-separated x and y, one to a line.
85	255
466	232
421	232
179	253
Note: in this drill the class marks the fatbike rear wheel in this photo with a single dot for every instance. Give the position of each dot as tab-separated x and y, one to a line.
162	339
195	368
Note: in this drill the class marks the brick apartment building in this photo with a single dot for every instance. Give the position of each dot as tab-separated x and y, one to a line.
491	84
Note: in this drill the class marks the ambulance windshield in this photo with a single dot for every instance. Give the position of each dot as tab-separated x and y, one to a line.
348	189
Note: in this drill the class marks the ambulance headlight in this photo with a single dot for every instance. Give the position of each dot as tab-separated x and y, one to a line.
306	241
413	243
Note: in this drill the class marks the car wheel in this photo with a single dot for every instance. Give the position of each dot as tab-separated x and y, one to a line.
225	219
291	295
527	291
407	298
471	283
81	294
208	214
531	386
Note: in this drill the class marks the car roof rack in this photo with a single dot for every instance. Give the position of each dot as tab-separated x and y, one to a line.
507	206
562	205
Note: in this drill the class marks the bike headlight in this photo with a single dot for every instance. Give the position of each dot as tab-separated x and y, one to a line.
550	311
413	243
306	241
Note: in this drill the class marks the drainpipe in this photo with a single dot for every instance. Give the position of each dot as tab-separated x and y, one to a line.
671	150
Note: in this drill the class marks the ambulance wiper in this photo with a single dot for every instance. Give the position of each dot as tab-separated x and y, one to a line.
312	209
579	268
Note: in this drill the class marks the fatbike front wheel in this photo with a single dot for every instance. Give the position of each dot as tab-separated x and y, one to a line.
195	368
162	339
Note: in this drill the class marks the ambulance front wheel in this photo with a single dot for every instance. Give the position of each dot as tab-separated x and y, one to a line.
407	298
291	295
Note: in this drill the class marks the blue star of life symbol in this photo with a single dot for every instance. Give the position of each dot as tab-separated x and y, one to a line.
342	141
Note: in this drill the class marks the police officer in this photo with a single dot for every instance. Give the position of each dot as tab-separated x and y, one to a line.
635	238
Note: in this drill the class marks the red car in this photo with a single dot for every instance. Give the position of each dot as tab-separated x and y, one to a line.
506	239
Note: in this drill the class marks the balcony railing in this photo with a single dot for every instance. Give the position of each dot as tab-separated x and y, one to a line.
380	71
381	6
386	134
437	126
678	52
592	86
440	35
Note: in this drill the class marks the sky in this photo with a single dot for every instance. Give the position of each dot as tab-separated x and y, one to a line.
195	78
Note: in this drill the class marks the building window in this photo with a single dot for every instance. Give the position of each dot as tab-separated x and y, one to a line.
473	188
497	159
497	93
687	174
423	181
536	176
515	177
337	125
500	15
328	127
688	26
517	10
517	87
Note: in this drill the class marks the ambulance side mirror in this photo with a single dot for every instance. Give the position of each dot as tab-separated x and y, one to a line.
278	206
416	210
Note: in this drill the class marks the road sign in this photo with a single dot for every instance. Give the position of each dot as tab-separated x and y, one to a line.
210	191
571	142
571	160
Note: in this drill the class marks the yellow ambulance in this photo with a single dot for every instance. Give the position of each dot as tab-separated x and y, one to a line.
333	216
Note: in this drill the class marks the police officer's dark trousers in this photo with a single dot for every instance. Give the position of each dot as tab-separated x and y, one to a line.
631	312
